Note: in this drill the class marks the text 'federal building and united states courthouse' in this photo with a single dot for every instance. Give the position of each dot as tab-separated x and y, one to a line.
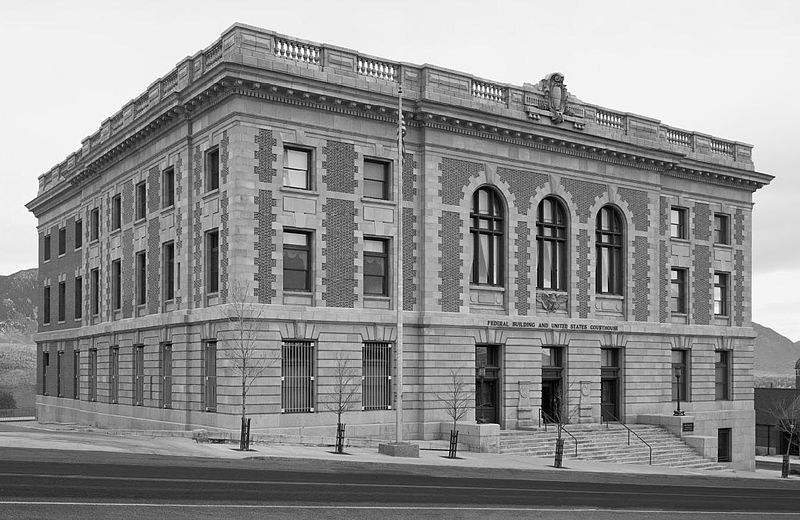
568	259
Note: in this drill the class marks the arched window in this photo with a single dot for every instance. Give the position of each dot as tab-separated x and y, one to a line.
487	237
609	251
551	244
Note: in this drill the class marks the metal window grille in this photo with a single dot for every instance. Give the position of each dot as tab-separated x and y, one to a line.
297	377
114	375
92	379
138	375
59	365
76	374
211	376
376	376
166	375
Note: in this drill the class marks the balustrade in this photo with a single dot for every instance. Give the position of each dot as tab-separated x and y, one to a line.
722	147
213	54
610	119
377	69
140	105
297	51
488	92
678	137
169	83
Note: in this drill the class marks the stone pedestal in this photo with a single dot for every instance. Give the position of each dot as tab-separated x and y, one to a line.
399	449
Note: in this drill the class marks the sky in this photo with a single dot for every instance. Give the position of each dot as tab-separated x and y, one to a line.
727	68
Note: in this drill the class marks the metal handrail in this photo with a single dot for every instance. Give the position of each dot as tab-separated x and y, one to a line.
629	434
546	416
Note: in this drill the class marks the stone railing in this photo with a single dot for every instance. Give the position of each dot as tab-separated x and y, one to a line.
377	69
257	48
488	91
677	137
610	119
297	51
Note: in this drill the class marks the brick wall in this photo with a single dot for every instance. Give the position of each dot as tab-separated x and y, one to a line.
339	239
339	167
702	279
452	268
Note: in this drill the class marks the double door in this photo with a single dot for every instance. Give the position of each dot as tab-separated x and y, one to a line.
487	383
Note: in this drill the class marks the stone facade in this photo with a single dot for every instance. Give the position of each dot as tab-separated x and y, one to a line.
254	92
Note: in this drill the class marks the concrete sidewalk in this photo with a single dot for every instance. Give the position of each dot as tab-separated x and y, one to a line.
33	435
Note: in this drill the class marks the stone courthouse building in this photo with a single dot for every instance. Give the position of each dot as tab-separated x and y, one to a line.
569	260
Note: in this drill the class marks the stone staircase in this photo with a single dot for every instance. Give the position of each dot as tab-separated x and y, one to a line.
608	444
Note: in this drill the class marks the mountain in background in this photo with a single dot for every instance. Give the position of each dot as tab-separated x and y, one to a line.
18	308
774	354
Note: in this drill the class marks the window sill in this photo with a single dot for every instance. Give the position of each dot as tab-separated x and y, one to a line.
168	209
79	248
210	194
723	245
679	240
139	221
382	202
372	301
299	191
115	232
61	255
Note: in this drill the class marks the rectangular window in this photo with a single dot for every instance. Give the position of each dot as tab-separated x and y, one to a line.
95	289
78	297
296	261
680	375
724	448
62	301
78	234
113	375
552	357
721	294
45	366
62	241
376	179
297	168
678	291
116	285
168	187
297	377
94	224
141	200
141	278
210	379
138	375
677	224
46	248
168	277
59	368
376	267
212	169
166	375
721	229
722	375
92	376
46	305
116	212
76	374
212	262
376	376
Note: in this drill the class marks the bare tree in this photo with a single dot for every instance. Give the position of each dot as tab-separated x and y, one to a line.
787	420
345	393
247	360
563	415
457	400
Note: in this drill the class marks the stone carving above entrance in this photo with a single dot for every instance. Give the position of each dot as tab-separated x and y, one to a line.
551	97
551	301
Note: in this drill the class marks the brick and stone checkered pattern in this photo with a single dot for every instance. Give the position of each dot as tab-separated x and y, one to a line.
154	189
663	261
339	167
409	178
641	278
702	221
584	274
223	154
265	247
637	204
198	254
702	285
522	291
523	185
452	268
584	194
738	227
265	169
126	203
738	288
223	247
178	219
127	273
455	176
409	259
339	238
153	265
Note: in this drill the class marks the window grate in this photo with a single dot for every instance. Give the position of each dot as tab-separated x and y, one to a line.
376	376
297	377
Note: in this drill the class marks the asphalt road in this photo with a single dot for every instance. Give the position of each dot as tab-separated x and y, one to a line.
57	484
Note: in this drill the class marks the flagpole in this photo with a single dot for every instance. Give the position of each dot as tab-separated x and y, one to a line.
398	179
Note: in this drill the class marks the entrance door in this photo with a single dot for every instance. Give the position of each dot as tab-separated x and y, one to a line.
609	397
487	371
724	445
551	399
